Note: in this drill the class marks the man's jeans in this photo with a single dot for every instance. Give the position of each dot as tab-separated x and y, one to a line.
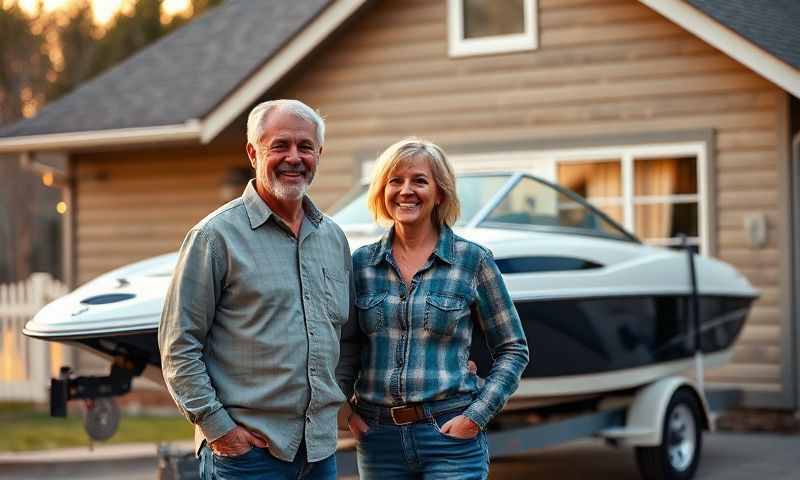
259	464
421	450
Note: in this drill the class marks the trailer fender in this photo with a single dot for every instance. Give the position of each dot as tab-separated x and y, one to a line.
644	418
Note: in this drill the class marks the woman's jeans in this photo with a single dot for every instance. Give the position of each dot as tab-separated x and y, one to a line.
259	464
421	450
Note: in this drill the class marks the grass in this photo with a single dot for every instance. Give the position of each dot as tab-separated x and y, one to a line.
25	428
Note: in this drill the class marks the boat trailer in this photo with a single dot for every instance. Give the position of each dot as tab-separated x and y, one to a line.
663	421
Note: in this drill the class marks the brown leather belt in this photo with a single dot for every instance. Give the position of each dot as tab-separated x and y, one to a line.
410	412
406	414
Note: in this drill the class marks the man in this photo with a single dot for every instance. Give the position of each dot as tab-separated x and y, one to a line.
249	336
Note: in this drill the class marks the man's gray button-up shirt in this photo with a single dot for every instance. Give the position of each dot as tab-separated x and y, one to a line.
250	330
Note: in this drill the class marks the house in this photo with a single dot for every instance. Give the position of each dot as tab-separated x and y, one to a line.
672	116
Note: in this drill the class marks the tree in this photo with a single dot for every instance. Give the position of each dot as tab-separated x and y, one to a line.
28	221
87	52
24	65
77	43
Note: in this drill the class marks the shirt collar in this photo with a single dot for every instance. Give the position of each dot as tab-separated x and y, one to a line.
258	212
444	246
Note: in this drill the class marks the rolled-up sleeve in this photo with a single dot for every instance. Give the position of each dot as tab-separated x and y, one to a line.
505	338
189	310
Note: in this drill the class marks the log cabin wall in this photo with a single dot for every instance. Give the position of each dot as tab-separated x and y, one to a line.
603	67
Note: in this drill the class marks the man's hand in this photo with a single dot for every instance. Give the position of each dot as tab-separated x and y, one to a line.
358	427
237	442
460	427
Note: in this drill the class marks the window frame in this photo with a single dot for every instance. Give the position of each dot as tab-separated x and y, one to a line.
458	46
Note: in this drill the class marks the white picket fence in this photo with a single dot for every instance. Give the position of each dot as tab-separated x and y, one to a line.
26	364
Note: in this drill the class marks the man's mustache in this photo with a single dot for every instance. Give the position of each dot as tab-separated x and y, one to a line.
289	169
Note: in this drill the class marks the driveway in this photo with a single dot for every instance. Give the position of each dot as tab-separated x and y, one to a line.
726	456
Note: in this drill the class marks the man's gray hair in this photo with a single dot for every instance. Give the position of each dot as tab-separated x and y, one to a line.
259	113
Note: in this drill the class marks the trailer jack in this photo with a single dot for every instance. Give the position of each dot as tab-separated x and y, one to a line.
102	413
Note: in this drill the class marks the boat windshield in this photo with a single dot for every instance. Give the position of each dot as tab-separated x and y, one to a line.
474	192
513	201
539	205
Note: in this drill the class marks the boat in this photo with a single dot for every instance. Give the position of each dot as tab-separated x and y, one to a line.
602	311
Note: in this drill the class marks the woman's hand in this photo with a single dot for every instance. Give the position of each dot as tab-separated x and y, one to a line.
461	427
350	420
358	427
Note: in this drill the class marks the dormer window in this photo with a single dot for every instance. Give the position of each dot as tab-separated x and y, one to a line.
478	27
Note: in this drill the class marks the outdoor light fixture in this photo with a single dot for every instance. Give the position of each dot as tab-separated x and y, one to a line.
48	179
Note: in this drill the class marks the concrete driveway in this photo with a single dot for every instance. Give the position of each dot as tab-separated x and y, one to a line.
726	456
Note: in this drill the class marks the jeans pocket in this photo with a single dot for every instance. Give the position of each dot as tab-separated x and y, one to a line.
372	427
245	466
439	420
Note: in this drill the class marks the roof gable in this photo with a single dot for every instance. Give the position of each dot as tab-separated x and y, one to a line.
182	76
191	84
771	25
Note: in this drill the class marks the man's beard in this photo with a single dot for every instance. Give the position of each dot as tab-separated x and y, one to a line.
281	190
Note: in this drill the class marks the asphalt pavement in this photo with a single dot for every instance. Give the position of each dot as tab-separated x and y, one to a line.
726	456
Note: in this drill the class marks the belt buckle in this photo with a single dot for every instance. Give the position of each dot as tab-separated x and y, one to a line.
392	410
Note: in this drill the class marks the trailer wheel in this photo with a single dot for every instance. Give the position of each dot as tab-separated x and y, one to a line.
681	442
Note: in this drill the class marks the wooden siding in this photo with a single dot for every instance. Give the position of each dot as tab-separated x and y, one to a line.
603	67
132	205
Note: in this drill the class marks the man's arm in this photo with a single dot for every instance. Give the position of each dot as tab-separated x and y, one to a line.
189	310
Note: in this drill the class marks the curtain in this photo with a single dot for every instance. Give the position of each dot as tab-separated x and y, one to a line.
596	181
656	177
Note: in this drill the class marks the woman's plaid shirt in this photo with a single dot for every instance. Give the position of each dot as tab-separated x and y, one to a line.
412	344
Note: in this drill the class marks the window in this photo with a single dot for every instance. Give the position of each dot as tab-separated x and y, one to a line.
598	181
662	202
658	192
479	27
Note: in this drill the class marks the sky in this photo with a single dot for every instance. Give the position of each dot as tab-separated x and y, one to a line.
104	10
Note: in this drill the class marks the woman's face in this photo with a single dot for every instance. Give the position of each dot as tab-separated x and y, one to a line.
411	193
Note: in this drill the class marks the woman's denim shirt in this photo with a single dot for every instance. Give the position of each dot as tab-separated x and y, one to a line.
414	342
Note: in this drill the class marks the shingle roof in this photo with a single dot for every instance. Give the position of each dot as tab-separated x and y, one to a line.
181	76
773	25
186	74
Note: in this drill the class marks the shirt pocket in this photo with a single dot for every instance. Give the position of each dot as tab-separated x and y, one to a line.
370	311
443	312
337	295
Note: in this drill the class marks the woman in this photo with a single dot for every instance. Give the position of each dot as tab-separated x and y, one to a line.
419	412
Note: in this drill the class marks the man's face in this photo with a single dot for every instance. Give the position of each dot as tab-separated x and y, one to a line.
286	156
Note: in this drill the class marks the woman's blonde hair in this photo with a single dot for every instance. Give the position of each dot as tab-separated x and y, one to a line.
402	153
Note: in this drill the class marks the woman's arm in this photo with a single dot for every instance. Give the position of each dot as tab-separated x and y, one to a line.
350	340
505	337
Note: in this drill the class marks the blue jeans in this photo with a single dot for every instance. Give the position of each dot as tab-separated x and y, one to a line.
421	451
259	464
